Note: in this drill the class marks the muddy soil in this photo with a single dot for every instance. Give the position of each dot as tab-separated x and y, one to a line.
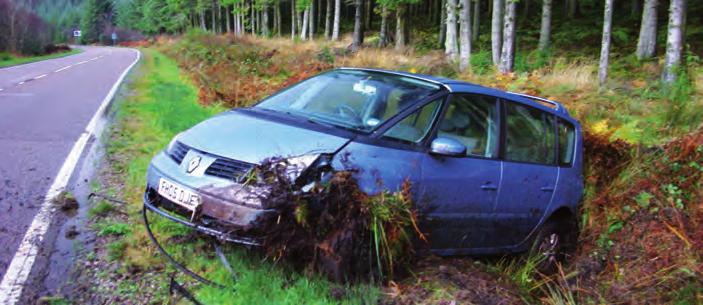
461	280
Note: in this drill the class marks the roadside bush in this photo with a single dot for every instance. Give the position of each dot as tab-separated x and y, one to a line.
335	227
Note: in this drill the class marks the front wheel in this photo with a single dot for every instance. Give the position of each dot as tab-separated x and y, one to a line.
554	243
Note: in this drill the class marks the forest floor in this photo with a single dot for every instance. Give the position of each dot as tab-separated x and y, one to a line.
641	221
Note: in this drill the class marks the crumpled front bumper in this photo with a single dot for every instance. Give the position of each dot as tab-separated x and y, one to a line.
229	212
219	234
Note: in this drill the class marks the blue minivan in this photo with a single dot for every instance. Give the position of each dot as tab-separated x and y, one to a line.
491	171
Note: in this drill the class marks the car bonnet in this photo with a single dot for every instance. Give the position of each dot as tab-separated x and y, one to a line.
245	138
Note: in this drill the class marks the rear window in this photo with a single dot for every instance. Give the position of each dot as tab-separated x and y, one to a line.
567	139
530	135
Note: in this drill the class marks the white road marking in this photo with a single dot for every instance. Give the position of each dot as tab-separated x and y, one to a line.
64	68
1	89
40	76
18	271
21	83
82	62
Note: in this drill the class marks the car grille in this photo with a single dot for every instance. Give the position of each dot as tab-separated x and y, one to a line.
222	168
179	152
229	169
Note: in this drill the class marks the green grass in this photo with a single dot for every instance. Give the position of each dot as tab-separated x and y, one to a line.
100	209
115	250
7	60
113	228
161	104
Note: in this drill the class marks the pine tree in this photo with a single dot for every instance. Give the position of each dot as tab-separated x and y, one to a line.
605	43
674	40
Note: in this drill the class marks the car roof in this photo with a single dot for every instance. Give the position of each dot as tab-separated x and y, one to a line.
453	85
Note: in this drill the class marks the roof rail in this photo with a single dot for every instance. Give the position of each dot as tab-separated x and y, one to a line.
557	105
399	73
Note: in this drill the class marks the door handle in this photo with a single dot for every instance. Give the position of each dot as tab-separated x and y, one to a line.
547	189
489	187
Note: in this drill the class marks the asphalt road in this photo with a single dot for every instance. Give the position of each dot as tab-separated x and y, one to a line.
44	109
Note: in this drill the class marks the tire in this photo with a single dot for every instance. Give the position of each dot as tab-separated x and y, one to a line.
554	243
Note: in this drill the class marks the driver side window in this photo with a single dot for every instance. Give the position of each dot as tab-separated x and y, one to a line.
413	128
471	120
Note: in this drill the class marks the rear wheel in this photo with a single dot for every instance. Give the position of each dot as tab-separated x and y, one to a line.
554	243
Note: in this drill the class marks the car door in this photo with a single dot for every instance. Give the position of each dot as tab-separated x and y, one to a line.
459	193
530	172
385	163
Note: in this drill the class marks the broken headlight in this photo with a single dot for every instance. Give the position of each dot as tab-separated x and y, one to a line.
307	169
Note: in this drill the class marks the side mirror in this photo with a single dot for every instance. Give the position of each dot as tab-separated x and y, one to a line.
447	147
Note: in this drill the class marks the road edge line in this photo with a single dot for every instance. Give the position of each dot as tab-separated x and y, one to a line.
21	265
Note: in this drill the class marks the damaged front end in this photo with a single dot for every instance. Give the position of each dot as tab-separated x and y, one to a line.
237	210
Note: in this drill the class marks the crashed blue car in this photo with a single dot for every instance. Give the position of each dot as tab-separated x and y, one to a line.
491	171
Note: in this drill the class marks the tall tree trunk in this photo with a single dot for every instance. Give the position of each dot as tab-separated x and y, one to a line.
228	19
318	25
546	29
293	13
400	27
202	20
605	44
476	20
647	43
265	21
337	12
253	19
383	35
358	36
219	17
443	23
304	27
240	19
299	20
274	24
507	54
328	19
451	48
431	10
311	22
236	19
674	40
213	23
465	34
497	30
367	14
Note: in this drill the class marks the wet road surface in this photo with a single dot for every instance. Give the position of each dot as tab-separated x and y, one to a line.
44	109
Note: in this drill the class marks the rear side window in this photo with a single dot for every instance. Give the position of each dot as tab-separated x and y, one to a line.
567	139
530	135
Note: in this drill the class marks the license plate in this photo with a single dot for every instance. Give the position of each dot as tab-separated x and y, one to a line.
179	195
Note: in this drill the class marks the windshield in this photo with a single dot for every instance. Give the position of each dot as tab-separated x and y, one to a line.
355	99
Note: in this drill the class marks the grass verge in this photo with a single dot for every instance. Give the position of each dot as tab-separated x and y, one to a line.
8	60
159	104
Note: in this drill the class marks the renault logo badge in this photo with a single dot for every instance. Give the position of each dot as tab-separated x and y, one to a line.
193	164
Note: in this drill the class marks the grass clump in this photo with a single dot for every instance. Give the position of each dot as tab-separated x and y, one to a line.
115	250
113	228
102	208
